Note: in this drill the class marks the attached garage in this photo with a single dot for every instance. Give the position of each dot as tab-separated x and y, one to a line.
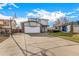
32	29
34	25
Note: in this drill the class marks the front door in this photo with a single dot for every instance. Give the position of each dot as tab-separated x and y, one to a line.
64	28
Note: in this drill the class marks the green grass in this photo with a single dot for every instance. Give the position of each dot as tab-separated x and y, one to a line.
68	36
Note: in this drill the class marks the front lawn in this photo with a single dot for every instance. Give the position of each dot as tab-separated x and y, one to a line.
68	36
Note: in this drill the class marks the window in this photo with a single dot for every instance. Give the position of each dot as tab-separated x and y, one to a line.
6	22
32	24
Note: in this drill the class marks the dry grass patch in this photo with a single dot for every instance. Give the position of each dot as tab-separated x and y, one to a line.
68	36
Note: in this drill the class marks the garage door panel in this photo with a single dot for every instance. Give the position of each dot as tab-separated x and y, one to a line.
32	29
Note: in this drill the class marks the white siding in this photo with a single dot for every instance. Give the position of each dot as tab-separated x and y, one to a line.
32	29
28	24
44	22
68	28
34	24
76	29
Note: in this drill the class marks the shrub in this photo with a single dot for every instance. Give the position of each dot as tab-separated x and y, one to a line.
56	30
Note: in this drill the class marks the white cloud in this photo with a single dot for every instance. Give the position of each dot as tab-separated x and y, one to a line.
70	13
4	17
39	1
77	9
2	5
40	13
3	12
59	14
30	14
1	8
18	20
5	4
73	16
10	8
53	16
14	5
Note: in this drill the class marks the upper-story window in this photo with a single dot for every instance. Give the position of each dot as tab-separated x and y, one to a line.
6	23
1	22
31	24
26	24
44	22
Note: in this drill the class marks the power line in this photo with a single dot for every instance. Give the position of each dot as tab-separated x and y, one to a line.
11	34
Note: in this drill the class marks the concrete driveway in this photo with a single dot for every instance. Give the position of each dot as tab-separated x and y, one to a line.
38	45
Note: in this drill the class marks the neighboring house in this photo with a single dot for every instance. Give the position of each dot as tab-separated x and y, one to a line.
75	27
50	29
18	29
35	25
5	25
69	27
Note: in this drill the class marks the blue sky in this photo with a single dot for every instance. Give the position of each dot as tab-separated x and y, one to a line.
25	10
28	7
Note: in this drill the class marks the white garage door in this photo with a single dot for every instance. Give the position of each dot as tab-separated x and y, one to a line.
32	29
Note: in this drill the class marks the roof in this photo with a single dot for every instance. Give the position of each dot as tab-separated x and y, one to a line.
34	20
30	21
37	19
76	23
5	20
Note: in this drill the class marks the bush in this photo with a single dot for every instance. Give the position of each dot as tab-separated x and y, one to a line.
56	30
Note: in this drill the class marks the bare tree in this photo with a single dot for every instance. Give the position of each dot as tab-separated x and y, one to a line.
66	20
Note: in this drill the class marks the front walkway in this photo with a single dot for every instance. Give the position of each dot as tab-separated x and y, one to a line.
37	44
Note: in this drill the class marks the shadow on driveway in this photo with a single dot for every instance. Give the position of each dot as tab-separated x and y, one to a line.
38	34
3	38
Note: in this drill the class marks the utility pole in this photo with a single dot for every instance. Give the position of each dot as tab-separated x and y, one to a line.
14	16
11	19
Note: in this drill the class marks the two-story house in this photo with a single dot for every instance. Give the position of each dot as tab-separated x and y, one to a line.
5	25
35	25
